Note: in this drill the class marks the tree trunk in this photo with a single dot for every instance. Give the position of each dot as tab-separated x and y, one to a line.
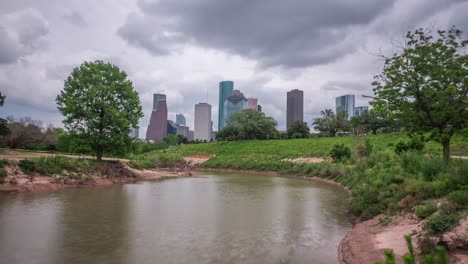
446	148
99	152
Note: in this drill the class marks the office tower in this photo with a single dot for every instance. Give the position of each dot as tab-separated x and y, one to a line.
359	110
202	129
252	103
191	135
183	131
134	132
157	128
180	119
259	108
235	102
294	107
225	89
345	104
171	127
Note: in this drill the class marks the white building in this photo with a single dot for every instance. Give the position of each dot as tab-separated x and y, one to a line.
202	129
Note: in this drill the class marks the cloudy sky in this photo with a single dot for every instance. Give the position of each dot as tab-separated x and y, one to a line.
183	48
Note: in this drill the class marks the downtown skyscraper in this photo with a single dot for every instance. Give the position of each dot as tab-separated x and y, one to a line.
203	124
157	128
225	90
294	107
345	104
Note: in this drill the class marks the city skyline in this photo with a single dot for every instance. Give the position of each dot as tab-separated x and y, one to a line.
324	53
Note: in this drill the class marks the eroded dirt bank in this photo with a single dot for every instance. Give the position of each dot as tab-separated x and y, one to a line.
367	241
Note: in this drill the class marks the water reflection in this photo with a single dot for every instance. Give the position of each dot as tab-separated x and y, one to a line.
225	218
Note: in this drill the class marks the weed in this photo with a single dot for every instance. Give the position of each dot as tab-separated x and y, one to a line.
340	152
27	166
424	211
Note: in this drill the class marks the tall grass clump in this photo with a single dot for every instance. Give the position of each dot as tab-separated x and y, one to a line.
340	152
27	166
425	210
3	175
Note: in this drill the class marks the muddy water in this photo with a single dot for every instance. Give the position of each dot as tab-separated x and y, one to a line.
216	218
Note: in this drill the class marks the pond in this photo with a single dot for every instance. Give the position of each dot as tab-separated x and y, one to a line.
214	218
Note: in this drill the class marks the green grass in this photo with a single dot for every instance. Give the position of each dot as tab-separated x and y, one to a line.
379	181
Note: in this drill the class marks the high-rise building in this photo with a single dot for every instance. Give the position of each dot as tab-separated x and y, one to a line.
294	107
259	108
345	104
202	129
157	128
183	130
236	102
171	127
252	103
191	136
359	110
180	119
225	89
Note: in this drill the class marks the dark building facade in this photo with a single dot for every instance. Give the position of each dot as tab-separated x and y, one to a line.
157	128
294	107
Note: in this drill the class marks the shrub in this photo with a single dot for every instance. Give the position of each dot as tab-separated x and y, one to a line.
444	221
460	198
2	175
415	144
424	211
364	148
340	152
3	163
27	166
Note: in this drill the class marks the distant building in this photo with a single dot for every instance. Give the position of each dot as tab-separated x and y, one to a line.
171	127
359	110
183	131
294	107
259	108
225	89
236	102
134	133
202	129
180	119
252	103
157	128
191	136
345	104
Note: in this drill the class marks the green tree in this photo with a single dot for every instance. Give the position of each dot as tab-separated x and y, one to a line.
4	130
425	86
249	124
298	130
100	104
371	121
330	123
171	140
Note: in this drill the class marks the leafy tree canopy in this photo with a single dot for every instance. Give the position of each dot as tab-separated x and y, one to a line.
248	124
298	130
425	85
329	123
4	130
100	104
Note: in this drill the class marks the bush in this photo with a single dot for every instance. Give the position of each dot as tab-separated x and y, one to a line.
27	166
424	211
460	198
3	163
340	152
416	163
364	148
415	144
439	224
2	175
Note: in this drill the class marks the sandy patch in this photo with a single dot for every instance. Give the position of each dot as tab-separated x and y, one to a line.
306	160
197	159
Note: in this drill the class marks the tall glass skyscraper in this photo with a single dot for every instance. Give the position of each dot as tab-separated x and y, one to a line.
294	107
345	104
235	102
202	129
225	90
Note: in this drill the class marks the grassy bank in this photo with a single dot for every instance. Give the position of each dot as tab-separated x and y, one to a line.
381	182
